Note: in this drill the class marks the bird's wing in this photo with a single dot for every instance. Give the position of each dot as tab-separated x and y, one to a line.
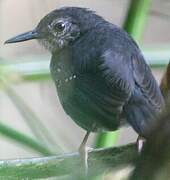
146	101
145	81
133	86
116	73
124	73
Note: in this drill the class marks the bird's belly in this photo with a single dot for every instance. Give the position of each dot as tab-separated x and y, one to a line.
89	104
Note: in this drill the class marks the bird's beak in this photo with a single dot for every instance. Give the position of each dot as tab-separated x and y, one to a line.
24	37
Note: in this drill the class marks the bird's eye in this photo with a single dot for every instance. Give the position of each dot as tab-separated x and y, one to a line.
59	27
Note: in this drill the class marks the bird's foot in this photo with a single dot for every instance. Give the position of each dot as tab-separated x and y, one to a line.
83	150
140	143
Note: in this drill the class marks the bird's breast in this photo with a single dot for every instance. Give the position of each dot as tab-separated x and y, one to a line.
85	98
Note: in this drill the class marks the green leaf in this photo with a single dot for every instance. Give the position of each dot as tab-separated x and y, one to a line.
23	139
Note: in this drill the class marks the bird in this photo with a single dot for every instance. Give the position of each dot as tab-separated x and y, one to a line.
102	79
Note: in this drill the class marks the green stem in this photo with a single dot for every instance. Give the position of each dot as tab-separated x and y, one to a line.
23	139
136	18
100	161
134	25
107	139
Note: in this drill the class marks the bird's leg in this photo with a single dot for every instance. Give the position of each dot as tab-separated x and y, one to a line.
84	152
140	143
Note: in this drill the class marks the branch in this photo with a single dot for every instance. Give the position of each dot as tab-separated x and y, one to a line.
99	161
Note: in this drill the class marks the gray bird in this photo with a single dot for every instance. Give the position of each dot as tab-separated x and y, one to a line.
100	74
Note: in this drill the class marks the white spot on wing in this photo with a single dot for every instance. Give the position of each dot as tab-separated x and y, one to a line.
66	80
74	76
58	69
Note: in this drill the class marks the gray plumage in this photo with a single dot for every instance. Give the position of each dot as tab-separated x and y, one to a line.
99	71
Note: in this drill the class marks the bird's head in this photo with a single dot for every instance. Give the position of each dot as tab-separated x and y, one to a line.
60	28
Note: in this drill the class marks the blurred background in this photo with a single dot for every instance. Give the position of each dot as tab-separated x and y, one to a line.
30	114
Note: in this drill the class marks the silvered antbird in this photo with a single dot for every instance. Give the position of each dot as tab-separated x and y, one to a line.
100	74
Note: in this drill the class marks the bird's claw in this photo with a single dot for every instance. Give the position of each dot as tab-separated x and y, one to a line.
140	143
84	157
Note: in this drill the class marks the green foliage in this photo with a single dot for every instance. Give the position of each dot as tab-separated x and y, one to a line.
23	139
69	165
